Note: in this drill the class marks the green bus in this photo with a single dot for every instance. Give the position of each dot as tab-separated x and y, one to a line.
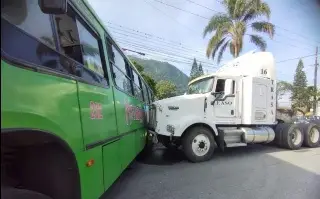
73	107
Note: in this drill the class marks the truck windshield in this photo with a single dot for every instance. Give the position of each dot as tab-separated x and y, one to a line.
201	86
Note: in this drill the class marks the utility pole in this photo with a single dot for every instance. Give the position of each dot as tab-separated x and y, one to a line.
315	84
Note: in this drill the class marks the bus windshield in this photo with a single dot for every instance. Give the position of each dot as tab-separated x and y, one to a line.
201	86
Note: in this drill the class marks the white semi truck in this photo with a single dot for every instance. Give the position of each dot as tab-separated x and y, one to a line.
235	106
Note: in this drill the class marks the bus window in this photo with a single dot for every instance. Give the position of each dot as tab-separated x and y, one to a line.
23	14
81	44
90	49
120	68
150	95
145	93
136	85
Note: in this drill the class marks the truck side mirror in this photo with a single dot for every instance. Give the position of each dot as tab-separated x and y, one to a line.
53	6
228	87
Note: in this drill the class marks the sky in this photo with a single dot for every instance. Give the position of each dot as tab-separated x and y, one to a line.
155	27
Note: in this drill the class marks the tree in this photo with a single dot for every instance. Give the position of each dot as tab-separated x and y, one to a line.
194	69
310	93
147	78
283	87
300	97
165	89
230	28
200	70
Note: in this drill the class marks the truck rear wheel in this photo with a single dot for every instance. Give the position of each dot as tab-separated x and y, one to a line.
311	134
198	144
289	136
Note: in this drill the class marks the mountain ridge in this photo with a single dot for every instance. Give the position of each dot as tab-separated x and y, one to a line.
159	70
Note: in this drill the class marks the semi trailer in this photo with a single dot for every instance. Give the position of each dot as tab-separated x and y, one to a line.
236	106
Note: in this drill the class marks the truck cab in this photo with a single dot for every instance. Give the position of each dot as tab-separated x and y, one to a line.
235	106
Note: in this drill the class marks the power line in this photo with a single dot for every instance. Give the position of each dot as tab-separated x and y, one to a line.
203	17
169	5
146	1
296	58
147	34
163	46
203	6
172	47
146	50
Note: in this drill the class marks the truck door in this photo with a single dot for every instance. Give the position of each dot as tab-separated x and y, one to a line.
225	102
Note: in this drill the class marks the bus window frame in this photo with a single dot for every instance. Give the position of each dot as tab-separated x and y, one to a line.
80	17
24	63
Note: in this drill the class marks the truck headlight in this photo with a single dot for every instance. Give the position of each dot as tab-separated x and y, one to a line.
170	128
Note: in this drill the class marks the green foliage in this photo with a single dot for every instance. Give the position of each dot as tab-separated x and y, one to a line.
165	89
164	71
230	28
299	91
149	80
200	70
282	88
138	66
194	69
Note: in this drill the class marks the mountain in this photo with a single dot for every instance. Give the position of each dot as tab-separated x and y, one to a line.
164	71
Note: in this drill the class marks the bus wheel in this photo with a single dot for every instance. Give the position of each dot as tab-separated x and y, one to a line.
291	136
311	135
198	144
13	193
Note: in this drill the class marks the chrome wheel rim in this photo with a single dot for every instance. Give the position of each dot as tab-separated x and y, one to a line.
200	145
314	135
296	137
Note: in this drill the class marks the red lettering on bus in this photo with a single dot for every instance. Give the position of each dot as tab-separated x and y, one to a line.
95	110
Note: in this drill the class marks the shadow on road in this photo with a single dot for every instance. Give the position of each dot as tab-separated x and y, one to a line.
244	173
160	155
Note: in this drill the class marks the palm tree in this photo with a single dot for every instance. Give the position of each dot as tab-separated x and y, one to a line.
230	28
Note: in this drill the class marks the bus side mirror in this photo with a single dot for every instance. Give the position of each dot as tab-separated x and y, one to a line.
53	6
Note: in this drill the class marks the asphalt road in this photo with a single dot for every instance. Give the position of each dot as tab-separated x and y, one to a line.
253	172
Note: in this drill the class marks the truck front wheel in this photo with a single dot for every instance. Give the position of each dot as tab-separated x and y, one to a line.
198	144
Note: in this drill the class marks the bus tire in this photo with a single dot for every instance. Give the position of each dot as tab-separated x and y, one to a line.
289	136
198	144
13	193
311	134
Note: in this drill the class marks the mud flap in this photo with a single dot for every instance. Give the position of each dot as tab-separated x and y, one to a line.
221	139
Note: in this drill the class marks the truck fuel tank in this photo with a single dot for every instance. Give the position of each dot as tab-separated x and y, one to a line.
258	134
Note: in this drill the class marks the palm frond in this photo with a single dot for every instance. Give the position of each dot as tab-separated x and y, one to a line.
255	9
220	33
217	47
222	49
229	5
258	41
239	9
265	10
232	49
217	21
263	26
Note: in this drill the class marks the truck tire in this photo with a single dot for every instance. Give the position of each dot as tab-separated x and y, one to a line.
311	134
13	193
289	136
198	144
